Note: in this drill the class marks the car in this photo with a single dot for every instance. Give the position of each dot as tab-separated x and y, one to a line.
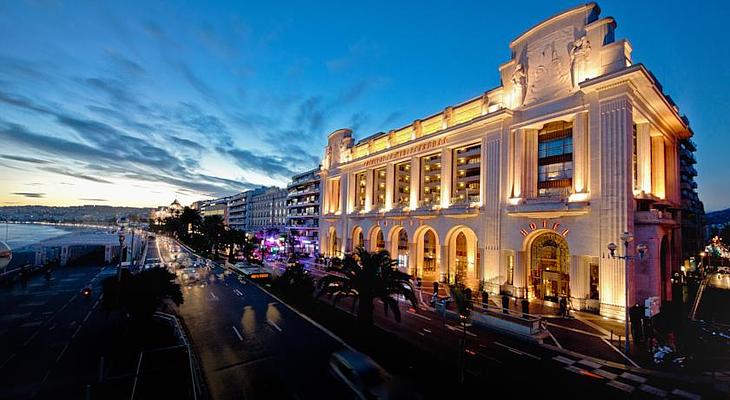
362	377
190	275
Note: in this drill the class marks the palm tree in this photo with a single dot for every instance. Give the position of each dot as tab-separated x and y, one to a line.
213	230
366	276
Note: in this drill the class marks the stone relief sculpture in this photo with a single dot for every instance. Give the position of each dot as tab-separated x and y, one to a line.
579	59
519	79
548	65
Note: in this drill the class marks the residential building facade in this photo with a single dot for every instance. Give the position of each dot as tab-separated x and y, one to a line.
303	211
693	211
520	189
267	210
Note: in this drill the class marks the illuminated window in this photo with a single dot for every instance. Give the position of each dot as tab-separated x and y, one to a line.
430	179
402	187
361	182
555	159
379	187
466	174
635	158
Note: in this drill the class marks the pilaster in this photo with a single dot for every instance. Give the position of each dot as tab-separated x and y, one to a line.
446	167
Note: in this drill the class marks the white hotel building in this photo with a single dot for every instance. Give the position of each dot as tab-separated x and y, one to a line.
520	189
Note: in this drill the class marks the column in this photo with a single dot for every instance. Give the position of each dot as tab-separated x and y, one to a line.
389	180
616	209
368	190
518	149
415	182
446	167
445	256
529	164
658	167
643	157
580	153
520	273
483	173
412	258
346	202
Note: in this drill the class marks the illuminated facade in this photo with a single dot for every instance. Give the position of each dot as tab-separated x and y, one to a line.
520	189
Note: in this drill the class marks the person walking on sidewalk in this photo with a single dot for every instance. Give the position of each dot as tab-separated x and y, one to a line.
563	311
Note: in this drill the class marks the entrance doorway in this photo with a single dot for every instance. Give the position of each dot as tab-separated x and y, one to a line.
549	267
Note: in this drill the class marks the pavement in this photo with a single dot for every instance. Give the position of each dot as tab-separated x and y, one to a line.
43	328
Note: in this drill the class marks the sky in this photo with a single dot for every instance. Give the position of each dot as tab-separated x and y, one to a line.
138	103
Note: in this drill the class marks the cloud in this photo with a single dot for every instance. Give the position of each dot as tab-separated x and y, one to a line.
197	83
30	195
67	172
25	159
94	200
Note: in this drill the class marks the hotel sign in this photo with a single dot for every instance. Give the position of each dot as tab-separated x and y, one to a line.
555	226
432	144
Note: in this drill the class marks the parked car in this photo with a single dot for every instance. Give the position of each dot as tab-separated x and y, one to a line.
361	376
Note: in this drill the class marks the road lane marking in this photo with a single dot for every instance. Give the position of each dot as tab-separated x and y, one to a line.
427	330
590	363
685	394
213	296
76	332
553	338
88	314
7	360
608	375
31	324
653	390
423	317
635	378
31	337
520	352
621	385
238	292
272	323
460	330
61	353
237	333
563	360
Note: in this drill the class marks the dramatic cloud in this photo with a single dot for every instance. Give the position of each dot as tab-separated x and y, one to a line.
63	171
94	200
25	159
30	195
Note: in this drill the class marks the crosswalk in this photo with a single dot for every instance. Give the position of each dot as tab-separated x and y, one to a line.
622	380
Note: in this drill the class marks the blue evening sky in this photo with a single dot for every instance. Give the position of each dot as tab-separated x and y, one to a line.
136	103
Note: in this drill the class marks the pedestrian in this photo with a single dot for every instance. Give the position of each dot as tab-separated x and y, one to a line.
563	304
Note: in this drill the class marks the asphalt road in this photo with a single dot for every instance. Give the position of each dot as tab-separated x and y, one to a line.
42	327
251	346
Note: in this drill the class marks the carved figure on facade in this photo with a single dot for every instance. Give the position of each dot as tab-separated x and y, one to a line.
519	80
579	52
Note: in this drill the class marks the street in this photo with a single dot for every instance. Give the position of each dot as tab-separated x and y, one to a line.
250	345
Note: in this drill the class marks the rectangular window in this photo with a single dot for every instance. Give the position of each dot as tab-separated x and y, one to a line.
402	187
379	187
334	185
555	159
361	187
466	174
430	180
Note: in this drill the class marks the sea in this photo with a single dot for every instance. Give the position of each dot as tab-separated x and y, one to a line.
18	236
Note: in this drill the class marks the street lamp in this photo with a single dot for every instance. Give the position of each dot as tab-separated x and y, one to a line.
121	248
641	248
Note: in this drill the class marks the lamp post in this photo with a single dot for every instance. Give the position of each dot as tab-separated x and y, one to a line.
626	238
121	253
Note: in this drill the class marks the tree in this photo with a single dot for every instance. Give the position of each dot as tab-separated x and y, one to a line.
213	230
366	276
296	282
234	239
141	294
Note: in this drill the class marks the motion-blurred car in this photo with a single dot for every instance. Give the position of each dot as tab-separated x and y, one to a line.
362	377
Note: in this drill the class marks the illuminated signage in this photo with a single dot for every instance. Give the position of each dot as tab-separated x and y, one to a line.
260	275
554	226
432	144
